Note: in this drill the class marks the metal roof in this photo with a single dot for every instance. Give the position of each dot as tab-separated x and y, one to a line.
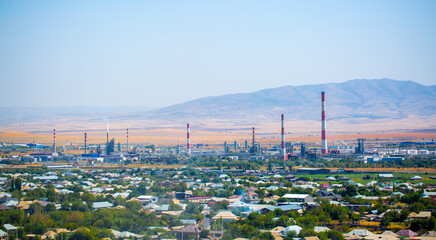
9	227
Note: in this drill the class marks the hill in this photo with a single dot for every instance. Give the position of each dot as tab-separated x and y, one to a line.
373	99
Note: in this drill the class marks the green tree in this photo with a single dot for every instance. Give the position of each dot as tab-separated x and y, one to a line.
350	190
239	190
174	207
335	235
52	195
82	234
134	206
12	185
423	225
18	184
417	207
35	207
78	205
264	236
65	206
50	207
205	234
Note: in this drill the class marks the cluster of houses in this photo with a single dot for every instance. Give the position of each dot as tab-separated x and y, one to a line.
99	182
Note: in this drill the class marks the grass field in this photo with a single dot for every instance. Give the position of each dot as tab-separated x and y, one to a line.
358	177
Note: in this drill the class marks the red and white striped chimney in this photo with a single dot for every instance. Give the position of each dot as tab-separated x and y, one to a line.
54	140
283	149
127	139
323	127
188	138
254	141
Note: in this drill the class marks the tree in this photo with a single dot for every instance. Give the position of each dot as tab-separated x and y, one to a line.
204	234
12	184
261	193
192	208
120	201
264	236
134	206
82	234
35	227
52	195
17	194
181	187
350	190
291	235
18	184
78	205
239	190
247	231
65	206
50	207
417	207
335	235
174	207
423	224
35	207
142	188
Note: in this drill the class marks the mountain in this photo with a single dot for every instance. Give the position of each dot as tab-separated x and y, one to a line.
373	99
354	103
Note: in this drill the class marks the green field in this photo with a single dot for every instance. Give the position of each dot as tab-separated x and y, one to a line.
358	177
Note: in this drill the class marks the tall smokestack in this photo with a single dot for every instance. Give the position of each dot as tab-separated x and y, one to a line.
85	143
323	127
283	148
253	138
54	140
107	136
188	139
127	140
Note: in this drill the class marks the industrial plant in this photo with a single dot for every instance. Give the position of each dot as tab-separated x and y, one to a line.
113	152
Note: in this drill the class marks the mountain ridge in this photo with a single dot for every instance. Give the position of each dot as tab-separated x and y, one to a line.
358	98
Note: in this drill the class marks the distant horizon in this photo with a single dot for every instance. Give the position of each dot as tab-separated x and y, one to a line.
150	108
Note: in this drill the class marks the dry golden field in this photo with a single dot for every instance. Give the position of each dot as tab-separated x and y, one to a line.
173	136
216	131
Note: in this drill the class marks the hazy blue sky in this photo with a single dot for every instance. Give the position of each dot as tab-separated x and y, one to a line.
157	53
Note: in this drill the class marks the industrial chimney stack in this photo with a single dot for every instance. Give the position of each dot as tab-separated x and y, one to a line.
127	140
323	127
85	143
54	140
253	138
188	138
283	148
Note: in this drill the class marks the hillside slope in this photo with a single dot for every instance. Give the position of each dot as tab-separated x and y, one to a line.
374	99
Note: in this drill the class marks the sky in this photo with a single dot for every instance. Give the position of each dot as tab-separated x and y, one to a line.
159	53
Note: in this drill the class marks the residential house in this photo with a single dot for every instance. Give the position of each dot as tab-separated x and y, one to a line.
4	235
295	228
226	216
97	205
298	198
199	199
251	196
310	238
406	233
189	232
422	214
319	229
